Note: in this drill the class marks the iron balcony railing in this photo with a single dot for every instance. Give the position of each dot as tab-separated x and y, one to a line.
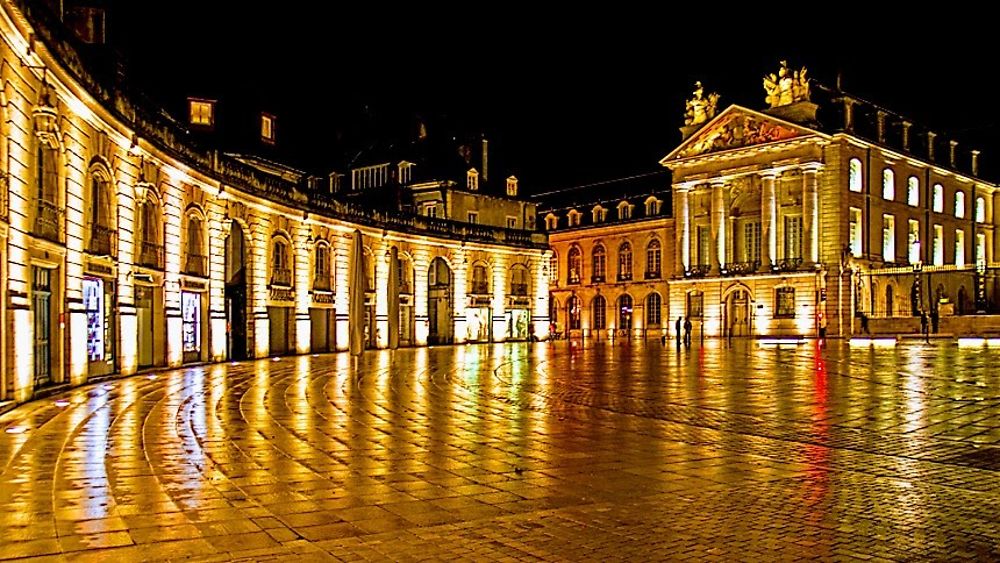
196	265
281	276
520	289
48	220
102	240
480	288
322	281
151	255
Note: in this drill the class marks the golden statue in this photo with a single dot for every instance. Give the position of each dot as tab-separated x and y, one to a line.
699	108
787	87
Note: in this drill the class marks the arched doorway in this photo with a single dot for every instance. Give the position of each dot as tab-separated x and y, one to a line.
889	306
625	315
406	318
737	313
439	303
236	294
963	301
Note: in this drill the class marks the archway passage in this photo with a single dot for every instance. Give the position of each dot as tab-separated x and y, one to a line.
439	303
738	313
236	294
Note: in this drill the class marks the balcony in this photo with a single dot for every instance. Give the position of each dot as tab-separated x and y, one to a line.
519	289
653	275
281	277
151	255
597	279
322	281
480	288
787	265
698	271
740	268
102	240
624	276
48	221
196	265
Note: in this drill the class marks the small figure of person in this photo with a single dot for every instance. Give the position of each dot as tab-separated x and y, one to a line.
934	320
864	323
687	332
677	330
923	324
822	329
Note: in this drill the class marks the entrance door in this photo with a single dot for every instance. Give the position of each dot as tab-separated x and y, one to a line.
144	320
739	313
439	307
236	295
42	307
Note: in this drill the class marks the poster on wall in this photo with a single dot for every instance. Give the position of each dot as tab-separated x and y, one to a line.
93	304
191	315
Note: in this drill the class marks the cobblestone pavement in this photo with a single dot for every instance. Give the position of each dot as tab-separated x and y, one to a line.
519	452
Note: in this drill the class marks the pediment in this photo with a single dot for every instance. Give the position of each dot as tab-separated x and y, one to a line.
737	127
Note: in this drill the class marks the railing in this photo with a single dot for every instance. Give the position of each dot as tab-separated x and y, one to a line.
573	278
151	255
195	264
406	288
322	281
281	276
787	265
653	275
48	221
626	276
102	240
740	268
480	288
597	279
698	271
520	289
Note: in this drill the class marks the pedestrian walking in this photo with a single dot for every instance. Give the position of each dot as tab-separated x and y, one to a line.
864	323
923	325
677	330
687	332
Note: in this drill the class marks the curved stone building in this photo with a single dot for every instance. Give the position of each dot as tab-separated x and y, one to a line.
124	247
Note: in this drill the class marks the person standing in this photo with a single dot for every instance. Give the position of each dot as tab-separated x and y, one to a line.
934	320
687	332
677	330
923	324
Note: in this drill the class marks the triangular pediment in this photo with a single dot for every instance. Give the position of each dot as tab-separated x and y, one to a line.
735	128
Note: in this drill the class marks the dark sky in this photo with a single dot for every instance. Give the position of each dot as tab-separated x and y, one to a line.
569	96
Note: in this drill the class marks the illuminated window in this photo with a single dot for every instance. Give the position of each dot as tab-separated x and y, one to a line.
653	257
653	309
913	191
751	242
980	210
784	303
554	269
888	238
405	172
472	179
512	186
980	250
624	211
599	307
202	112
321	268
960	205
960	248
511	222
574	265
599	263
573	309
431	210
938	198
573	217
856	245
600	214
625	312
938	247
793	237
625	262
196	263
551	222
888	184
652	206
695	305
474	217
704	246
913	241
855	181
267	128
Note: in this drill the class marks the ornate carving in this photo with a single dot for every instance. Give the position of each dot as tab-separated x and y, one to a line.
738	131
787	87
236	210
700	109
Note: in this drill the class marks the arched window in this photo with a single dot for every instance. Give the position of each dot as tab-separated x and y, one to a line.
960	205
322	279
625	262
599	310
624	211
519	281
99	227
653	259
573	310
281	267
554	269
195	261
625	312
653	309
652	206
889	308
150	249
599	264
888	184
855	180
574	264
913	191
980	209
938	198
480	282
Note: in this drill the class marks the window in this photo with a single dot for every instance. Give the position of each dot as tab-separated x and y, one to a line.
980	210
888	238
474	217
855	182
913	191
856	245
625	262
751	241
321	271
913	241
202	112
472	179
195	261
888	184
784	303
574	263
695	302
150	250
48	214
652	206
431	210
704	246
551	222
599	266
624	211
405	172
512	186
554	269
511	222
980	250
793	237
267	128
519	281
938	245
960	248
960	205
625	312
599	308
574	218
600	214
480	283
573	308
190	321
938	198
99	227
653	303
281	272
653	259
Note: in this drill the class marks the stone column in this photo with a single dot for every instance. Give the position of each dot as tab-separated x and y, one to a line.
769	219
218	232
500	277
459	260
260	242
380	253
421	265
683	233
172	214
810	214
540	295
718	226
303	249
342	293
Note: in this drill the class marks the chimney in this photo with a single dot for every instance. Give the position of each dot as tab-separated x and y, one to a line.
906	134
951	156
880	116
848	114
486	168
975	163
930	145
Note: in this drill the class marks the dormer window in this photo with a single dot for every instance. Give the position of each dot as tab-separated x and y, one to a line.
551	222
652	206
202	112
405	172
574	218
267	128
512	186
624	210
600	214
472	179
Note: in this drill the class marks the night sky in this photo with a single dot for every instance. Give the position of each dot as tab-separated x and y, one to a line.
569	97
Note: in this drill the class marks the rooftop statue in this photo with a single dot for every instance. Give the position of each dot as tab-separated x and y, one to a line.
787	87
699	108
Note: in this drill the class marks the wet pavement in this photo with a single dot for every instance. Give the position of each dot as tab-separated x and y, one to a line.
519	452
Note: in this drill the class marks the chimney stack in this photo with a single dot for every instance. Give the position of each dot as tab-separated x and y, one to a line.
848	114
880	116
975	163
951	155
486	167
906	134
930	145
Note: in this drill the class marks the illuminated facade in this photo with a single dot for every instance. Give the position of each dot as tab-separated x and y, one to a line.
123	247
